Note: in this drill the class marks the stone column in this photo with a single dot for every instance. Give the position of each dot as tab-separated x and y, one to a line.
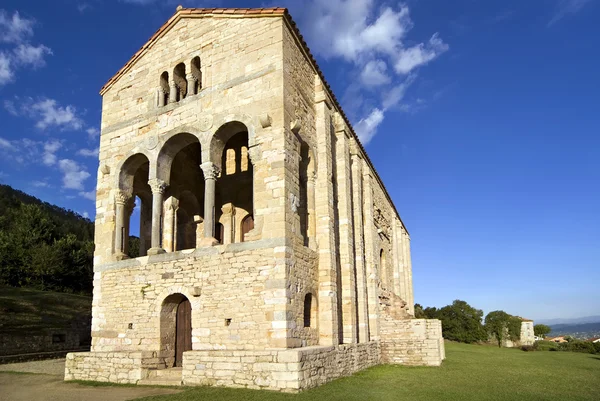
158	187
346	235
359	246
161	97
371	254
172	92
170	224
329	324
191	84
211	171
121	200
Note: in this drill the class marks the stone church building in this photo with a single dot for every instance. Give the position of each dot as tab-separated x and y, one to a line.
271	255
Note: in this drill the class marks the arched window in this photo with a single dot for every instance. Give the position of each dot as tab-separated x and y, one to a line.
197	73
247	225
180	81
133	183
308	308
164	89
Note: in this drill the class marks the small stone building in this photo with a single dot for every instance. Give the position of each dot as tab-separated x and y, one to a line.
271	254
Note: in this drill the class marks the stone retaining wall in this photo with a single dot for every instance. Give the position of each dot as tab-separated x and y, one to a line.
114	367
284	370
416	342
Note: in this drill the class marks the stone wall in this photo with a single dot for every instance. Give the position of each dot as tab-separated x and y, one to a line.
285	370
235	281
114	367
48	341
415	342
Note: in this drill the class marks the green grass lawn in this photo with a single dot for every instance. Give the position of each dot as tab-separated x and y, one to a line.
29	311
471	372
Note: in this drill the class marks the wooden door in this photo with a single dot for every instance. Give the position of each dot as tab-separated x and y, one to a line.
183	338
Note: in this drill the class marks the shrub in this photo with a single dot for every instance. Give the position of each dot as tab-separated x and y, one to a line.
528	348
546	346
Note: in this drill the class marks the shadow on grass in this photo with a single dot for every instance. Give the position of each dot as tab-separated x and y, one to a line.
91	383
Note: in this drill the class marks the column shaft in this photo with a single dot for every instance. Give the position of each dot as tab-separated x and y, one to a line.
158	187
211	172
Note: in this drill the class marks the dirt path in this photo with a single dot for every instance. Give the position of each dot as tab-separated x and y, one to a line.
51	387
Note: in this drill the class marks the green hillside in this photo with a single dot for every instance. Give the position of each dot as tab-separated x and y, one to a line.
43	246
31	311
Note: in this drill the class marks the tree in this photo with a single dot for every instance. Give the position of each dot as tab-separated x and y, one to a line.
419	314
541	330
501	325
460	322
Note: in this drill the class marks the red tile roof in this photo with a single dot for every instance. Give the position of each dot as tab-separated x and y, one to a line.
247	13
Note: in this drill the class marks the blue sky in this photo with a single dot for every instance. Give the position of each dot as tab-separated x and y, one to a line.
482	118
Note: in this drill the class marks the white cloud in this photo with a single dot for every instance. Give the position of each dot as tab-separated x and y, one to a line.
73	174
49	113
567	7
88	152
93	132
50	149
371	37
395	95
6	71
6	144
10	106
367	127
421	54
40	184
27	54
375	73
86	215
91	195
15	29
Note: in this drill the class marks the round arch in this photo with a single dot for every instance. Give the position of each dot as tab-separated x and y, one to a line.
127	168
174	143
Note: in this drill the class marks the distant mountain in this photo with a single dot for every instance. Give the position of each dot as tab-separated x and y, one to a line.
577	320
583	331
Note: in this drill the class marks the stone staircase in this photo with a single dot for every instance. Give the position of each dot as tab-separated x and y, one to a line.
162	377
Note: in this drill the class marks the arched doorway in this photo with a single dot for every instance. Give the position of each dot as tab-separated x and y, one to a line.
176	329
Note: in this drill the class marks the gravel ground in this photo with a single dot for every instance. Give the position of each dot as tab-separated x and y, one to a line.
49	386
50	367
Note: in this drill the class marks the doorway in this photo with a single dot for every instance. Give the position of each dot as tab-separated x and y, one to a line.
183	331
175	329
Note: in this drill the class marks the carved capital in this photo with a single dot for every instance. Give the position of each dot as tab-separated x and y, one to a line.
157	186
210	170
122	197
